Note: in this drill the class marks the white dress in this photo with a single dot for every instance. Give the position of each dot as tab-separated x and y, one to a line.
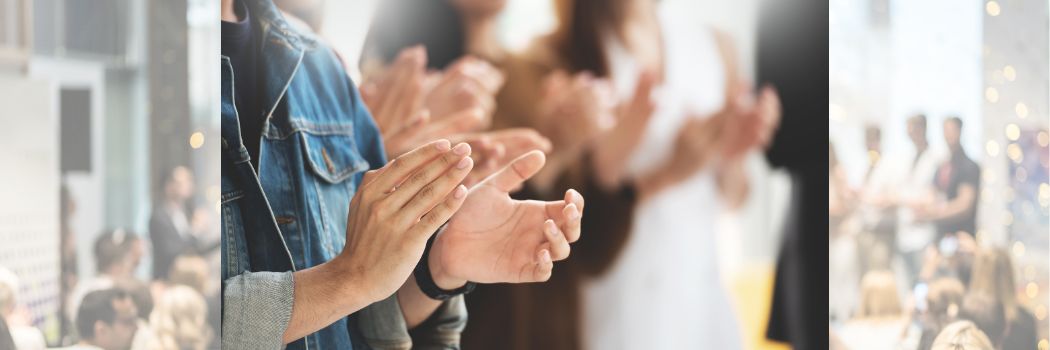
664	291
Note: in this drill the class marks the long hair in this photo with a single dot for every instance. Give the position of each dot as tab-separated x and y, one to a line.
879	295
993	275
180	320
581	27
400	24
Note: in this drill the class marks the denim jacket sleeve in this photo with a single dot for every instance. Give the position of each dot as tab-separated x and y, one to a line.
256	310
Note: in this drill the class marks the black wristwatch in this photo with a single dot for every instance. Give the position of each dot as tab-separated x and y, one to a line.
426	281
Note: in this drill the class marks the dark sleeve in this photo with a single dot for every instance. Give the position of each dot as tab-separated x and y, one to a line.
606	223
167	244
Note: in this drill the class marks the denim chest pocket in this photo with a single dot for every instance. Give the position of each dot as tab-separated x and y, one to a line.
334	161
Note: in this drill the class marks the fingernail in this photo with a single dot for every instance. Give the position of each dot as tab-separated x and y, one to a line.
463	163
545	256
460	192
443	145
461	149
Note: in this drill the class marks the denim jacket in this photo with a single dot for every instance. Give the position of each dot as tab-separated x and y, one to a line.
316	144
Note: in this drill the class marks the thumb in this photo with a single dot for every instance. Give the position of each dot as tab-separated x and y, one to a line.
519	170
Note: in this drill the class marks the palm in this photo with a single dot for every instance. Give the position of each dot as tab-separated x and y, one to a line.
493	238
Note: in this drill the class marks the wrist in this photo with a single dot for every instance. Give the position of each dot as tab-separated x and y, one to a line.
438	272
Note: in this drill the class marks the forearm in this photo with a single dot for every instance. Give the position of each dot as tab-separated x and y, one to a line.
416	306
323	294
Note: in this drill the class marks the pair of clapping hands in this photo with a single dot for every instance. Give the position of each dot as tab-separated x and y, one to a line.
431	181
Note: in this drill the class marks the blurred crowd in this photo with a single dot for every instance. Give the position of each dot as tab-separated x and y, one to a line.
115	307
906	268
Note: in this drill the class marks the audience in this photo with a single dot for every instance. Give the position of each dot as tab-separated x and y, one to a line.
993	276
117	256
107	320
880	321
180	320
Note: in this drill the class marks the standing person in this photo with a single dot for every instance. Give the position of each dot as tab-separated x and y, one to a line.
321	253
792	49
171	230
913	237
117	256
958	181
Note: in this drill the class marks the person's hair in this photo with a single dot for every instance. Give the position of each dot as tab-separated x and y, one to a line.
986	313
961	335
993	274
190	271
7	299
180	320
918	120
582	25
955	120
97	306
943	300
140	295
399	24
878	295
112	247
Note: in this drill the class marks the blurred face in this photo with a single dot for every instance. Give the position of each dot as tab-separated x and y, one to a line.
118	335
951	135
916	132
180	187
483	8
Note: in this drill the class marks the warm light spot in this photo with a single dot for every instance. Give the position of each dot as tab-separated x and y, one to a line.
992	147
1044	190
1043	344
992	94
1018	249
1040	312
1043	138
1032	290
1013	132
1009	73
1014	152
1021	109
993	8
197	140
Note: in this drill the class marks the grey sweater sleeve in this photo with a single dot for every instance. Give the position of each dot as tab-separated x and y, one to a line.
256	308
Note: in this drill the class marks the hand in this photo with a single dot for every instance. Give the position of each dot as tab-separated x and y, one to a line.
467	83
747	123
494	239
574	110
613	148
495	149
395	211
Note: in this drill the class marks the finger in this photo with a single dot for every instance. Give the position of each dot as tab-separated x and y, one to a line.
542	268
559	246
432	194
520	140
517	171
460	122
418	183
440	214
571	226
398	169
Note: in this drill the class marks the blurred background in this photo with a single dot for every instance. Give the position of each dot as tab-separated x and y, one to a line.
911	252
111	159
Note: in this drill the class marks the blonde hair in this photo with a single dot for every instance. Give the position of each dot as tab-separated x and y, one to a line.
179	320
190	271
993	275
961	335
878	295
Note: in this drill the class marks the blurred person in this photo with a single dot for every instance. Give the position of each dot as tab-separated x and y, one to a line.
118	254
950	260
792	49
179	321
193	271
962	335
957	182
24	336
142	295
987	314
321	253
939	307
993	275
913	237
106	320
878	232
844	272
880	321
172	230
6	342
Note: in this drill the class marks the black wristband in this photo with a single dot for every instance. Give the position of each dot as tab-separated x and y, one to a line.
425	281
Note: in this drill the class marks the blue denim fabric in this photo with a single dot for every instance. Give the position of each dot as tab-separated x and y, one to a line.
317	142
